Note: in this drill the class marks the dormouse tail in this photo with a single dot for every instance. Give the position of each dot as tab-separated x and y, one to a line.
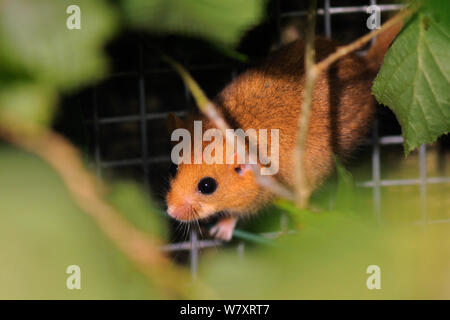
376	53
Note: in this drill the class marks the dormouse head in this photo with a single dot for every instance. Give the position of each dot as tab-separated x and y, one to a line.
199	190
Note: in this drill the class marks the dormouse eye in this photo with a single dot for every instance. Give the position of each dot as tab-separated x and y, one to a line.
207	185
173	170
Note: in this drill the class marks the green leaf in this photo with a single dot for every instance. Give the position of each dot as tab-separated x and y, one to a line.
27	102
42	232
329	256
35	41
346	193
414	80
221	22
130	200
333	266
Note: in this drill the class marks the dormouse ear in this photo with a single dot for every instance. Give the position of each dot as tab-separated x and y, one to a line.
242	168
174	122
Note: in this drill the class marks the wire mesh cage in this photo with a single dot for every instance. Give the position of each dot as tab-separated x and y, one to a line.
125	115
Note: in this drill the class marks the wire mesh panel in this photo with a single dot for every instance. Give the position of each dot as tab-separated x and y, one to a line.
145	124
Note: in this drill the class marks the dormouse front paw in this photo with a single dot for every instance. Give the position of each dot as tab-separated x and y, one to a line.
223	229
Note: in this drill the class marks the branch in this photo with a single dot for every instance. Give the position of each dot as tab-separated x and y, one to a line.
140	248
357	44
302	187
312	71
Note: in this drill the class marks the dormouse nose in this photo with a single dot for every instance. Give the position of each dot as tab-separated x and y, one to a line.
182	212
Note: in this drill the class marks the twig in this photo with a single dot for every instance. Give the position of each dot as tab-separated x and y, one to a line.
355	45
140	248
209	109
302	187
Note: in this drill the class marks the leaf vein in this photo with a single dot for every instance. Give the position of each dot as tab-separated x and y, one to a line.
435	60
428	82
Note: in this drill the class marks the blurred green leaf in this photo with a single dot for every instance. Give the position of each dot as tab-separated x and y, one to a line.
328	257
39	55
221	22
414	80
28	102
346	193
129	199
42	232
329	261
35	40
251	237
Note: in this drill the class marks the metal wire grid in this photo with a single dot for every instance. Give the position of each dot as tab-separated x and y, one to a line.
195	244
